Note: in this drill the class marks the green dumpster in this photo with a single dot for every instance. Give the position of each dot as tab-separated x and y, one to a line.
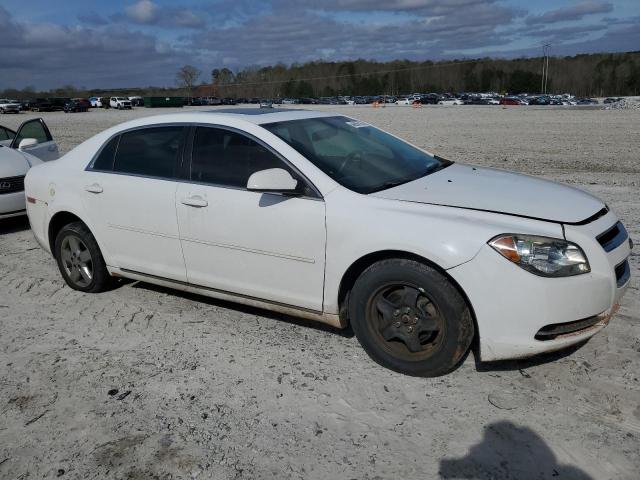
155	102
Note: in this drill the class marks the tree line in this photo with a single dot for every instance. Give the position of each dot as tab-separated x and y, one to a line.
601	74
583	75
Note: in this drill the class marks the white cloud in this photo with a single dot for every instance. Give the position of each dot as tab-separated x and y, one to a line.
144	11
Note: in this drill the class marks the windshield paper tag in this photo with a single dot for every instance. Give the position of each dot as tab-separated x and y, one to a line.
357	124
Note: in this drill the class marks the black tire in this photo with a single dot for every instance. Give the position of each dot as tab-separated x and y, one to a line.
92	280
431	327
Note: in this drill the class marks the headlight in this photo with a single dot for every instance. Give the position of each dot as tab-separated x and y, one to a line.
544	256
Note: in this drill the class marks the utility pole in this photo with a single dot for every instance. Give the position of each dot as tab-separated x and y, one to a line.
545	67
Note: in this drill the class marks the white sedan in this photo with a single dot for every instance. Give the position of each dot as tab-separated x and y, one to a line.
450	101
328	218
19	151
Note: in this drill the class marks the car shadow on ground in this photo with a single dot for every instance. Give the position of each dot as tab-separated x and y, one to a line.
14	225
509	451
524	363
347	332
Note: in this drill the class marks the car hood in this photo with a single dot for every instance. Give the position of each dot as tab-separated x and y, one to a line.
14	163
488	189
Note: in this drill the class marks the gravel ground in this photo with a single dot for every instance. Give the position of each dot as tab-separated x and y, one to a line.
143	382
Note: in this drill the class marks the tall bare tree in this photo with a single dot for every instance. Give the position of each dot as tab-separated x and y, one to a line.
187	77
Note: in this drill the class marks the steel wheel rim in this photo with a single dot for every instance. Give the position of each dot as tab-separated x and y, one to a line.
76	260
406	321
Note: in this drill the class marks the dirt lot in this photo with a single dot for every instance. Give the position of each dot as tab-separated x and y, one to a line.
143	382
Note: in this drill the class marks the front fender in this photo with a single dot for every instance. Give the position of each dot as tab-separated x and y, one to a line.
361	225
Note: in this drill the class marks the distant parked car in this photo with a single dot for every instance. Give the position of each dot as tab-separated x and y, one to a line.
612	99
95	102
136	101
120	103
58	103
450	101
429	99
266	104
510	101
476	100
77	105
540	101
41	105
8	106
586	101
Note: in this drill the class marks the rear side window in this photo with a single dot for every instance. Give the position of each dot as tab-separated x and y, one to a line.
227	158
105	159
152	152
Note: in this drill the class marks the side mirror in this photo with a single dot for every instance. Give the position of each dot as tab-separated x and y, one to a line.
272	180
27	142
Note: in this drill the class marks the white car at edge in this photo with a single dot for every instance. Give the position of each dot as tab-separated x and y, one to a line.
328	218
19	151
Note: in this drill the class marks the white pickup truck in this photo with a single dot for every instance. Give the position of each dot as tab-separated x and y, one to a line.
8	106
120	103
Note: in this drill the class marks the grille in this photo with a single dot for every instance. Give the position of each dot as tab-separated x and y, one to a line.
623	272
11	185
613	238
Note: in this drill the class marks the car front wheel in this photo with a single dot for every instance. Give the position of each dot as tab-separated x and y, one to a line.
410	318
79	259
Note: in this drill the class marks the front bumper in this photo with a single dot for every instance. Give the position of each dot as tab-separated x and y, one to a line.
512	305
12	204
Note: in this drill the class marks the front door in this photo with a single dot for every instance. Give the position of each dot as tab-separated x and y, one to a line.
45	148
261	245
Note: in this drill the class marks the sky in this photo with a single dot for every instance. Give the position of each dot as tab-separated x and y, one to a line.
131	43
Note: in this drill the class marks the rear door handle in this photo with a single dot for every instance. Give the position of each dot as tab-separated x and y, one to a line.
195	201
94	188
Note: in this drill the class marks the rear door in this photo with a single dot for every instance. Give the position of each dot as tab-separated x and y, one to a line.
130	195
45	149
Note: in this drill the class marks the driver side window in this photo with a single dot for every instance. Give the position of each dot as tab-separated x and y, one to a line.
227	158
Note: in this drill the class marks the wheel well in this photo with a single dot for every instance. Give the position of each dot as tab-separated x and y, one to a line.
56	224
355	270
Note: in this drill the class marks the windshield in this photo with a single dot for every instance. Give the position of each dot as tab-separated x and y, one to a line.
355	154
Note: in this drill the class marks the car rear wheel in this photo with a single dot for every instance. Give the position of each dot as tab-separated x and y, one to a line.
80	260
410	318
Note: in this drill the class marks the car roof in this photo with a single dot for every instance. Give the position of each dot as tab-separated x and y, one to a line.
220	116
266	115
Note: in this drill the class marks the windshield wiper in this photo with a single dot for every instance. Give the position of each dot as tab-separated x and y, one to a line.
393	183
400	181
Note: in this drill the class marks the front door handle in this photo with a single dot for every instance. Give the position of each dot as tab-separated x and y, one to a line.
94	188
195	201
